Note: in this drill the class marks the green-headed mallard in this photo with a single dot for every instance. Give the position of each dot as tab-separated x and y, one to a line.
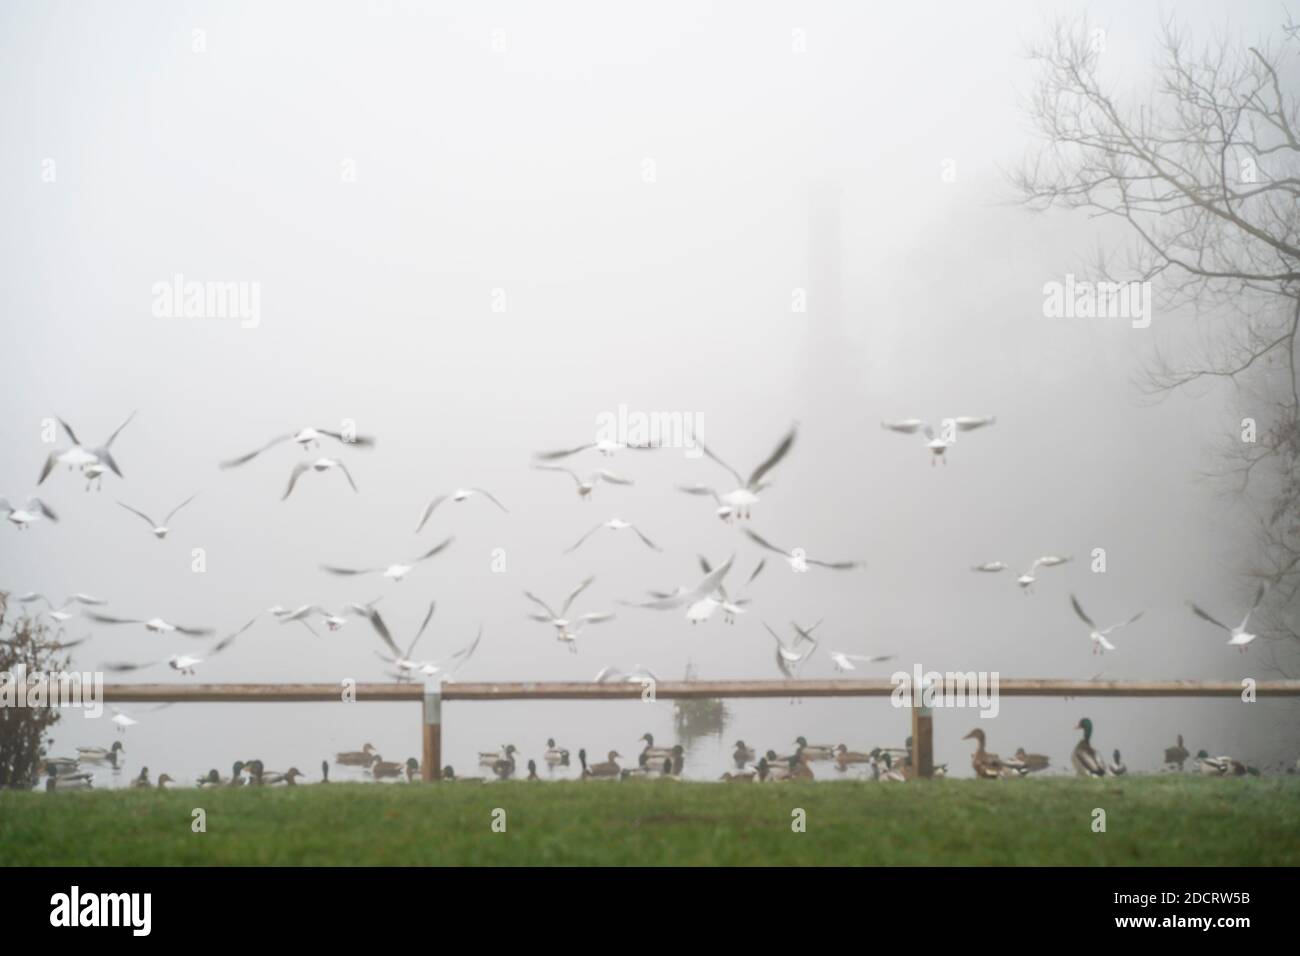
891	773
1177	756
108	755
386	769
1087	762
357	758
504	766
651	752
675	761
271	777
742	754
814	751
412	769
555	756
1219	766
74	781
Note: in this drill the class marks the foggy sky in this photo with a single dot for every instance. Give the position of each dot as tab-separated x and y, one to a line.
520	172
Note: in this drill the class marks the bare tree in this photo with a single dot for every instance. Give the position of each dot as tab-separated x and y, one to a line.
1202	169
28	649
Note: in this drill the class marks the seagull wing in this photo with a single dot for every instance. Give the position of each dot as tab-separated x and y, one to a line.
1074	602
907	426
604	474
104	455
420	633
43	508
225	642
244	459
562	453
194	631
124	667
346	474
700	490
298	469
757	571
568	471
113	437
140	513
837	565
105	619
429	510
579	543
780	451
1204	616
171	513
81	598
436	549
763	543
47	467
377	622
966	423
348	571
646	541
544	606
69	432
490	497
708	451
360	441
573	596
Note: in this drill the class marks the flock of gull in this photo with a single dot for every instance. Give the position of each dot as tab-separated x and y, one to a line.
698	602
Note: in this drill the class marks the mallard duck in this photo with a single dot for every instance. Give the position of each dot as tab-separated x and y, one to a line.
1116	765
651	752
891	773
742	754
1087	762
163	780
675	761
142	780
107	755
532	770
799	769
213	779
1177	756
488	758
386	769
60	766
1032	762
744	776
449	775
814	751
844	757
412	769
75	781
1219	766
289	777
555	756
504	766
255	770
985	763
608	768
324	771
357	758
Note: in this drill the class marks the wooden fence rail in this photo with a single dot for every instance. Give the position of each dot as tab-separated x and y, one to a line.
432	696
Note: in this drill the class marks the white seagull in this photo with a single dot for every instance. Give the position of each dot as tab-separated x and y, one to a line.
32	510
160	530
700	601
731	607
448	674
614	675
91	460
844	662
949	427
788	657
1237	636
155	625
736	504
460	494
1026	580
305	438
402	659
605	446
800	561
319	465
587	485
182	663
614	524
394	571
567	629
1098	635
61	613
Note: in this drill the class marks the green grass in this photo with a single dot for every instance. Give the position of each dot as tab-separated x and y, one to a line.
1149	821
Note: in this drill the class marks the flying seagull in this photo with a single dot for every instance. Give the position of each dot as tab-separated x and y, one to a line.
844	662
305	438
939	446
614	675
788	656
614	524
567	629
731	607
394	571
181	663
736	504
605	446
798	560
61	613
456	661
155	625
700	601
91	460
402	659
1026	580
588	484
160	530
33	510
1098	635
1237	636
460	494
319	465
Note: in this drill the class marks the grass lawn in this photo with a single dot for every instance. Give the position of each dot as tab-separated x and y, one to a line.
1150	821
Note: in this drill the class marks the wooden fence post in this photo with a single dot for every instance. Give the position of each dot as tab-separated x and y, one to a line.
431	765
922	736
